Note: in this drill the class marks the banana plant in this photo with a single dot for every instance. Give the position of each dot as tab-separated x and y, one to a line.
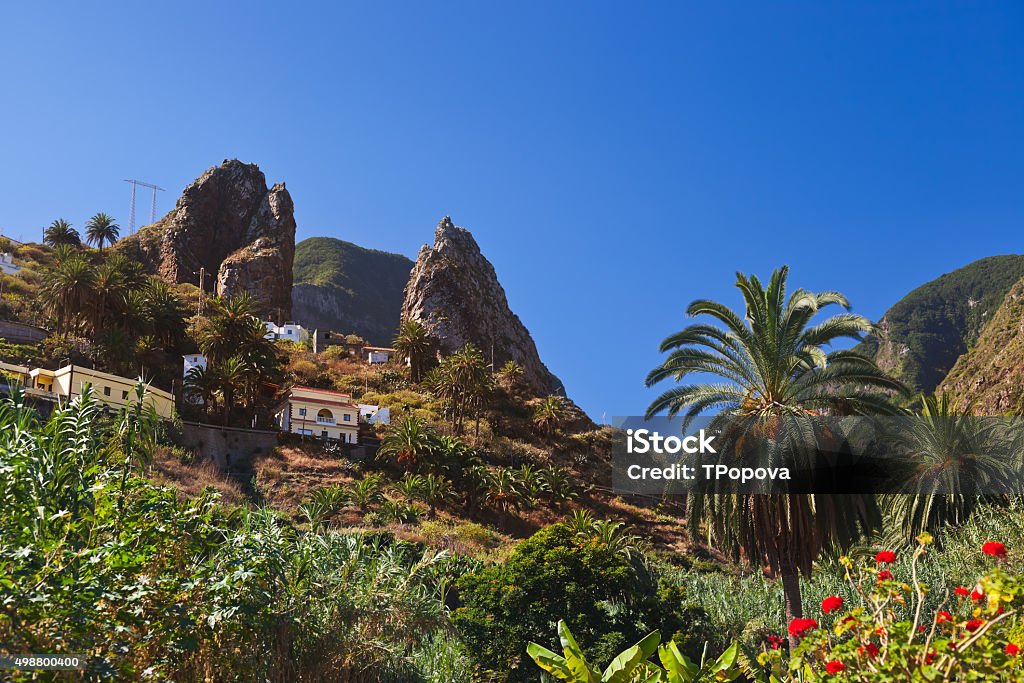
631	666
681	669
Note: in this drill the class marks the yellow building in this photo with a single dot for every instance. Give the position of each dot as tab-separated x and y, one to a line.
116	392
321	413
15	374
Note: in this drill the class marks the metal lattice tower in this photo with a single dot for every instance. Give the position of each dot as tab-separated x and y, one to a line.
131	209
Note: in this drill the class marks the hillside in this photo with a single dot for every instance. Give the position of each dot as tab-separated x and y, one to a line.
990	376
344	287
922	335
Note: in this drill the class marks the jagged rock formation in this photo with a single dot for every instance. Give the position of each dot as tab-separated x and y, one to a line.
454	292
343	287
921	337
990	377
228	222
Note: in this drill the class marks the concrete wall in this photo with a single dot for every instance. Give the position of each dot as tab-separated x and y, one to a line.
230	448
18	333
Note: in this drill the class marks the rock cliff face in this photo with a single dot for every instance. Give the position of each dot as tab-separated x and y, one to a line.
990	377
228	222
454	292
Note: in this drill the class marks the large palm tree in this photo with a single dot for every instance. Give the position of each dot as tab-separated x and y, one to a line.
61	232
68	293
773	363
101	229
462	381
413	343
954	461
408	442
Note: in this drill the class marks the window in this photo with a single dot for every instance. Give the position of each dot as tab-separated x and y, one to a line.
348	418
124	394
106	391
302	412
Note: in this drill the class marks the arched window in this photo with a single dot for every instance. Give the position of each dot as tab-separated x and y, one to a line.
325	416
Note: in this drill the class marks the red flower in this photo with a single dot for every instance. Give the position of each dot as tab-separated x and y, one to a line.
775	642
951	645
870	649
831	604
962	592
799	627
1012	650
943	616
994	548
885	557
974	624
977	595
885	575
930	657
834	666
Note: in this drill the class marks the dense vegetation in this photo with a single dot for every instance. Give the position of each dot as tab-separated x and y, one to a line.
924	333
362	288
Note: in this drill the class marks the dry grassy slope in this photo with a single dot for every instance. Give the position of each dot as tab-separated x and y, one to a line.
990	376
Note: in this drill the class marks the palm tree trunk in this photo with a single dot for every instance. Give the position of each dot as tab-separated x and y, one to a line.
791	593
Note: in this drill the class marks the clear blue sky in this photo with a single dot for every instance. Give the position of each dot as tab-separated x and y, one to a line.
614	160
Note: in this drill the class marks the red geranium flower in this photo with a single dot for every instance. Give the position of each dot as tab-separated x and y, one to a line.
885	575
799	627
943	616
834	666
1012	650
994	548
974	624
885	557
961	591
930	657
951	645
831	604
775	642
870	649
977	595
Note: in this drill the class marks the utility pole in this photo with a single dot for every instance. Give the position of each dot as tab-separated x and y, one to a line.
131	209
202	289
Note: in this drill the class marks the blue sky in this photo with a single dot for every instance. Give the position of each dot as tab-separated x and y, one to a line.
614	160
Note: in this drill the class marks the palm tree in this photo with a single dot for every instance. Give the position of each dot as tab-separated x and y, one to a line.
203	383
510	375
408	442
549	413
101	229
61	232
234	375
434	490
227	326
462	382
69	291
109	289
774	365
413	343
953	458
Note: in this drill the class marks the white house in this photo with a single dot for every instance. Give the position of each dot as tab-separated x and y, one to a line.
375	355
8	266
290	331
374	414
193	360
320	413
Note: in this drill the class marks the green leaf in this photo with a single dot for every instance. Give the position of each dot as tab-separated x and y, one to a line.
623	667
678	667
550	662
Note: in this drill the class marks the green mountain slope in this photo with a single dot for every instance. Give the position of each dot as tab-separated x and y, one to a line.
990	377
344	287
923	335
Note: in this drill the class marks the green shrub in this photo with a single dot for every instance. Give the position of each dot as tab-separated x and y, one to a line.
609	597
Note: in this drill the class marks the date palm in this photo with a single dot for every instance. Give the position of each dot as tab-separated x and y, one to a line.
549	414
101	229
68	293
953	458
60	232
773	363
408	442
413	343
